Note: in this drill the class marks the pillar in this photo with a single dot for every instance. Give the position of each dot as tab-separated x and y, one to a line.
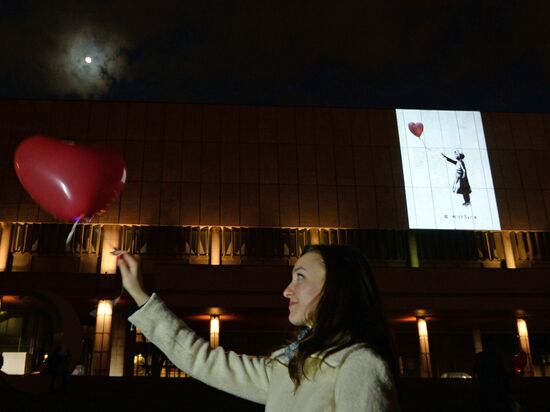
425	360
508	250
214	331
101	358
5	245
478	344
111	241
413	250
314	236
118	342
524	344
102	339
215	241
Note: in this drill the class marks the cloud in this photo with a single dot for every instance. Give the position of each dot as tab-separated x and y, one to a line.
249	52
72	76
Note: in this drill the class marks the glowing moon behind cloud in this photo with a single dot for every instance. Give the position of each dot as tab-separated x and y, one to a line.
73	75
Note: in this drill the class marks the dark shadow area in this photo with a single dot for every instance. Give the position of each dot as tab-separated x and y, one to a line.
145	394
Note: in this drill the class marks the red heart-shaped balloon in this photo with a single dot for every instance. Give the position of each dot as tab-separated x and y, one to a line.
416	128
71	182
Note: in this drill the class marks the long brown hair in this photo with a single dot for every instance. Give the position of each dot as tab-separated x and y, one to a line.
348	312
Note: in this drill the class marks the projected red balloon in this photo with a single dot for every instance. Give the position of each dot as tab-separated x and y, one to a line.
71	182
416	128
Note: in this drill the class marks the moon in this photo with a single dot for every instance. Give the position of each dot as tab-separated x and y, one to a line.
87	61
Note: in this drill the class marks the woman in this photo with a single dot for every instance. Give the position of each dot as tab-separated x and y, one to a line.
342	360
461	185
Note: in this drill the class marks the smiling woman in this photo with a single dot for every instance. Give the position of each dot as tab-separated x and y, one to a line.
342	360
308	278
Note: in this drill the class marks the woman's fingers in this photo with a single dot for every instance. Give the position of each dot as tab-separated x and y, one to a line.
126	262
131	262
121	262
123	266
131	279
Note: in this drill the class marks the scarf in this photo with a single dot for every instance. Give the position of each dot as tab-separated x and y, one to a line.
291	349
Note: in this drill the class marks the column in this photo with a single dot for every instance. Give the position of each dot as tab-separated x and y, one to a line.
118	342
5	245
215	241
102	339
508	251
425	360
413	251
214	331
478	344
101	358
314	236
111	241
546	366
524	344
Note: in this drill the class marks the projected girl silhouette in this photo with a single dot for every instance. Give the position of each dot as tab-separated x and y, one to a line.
461	185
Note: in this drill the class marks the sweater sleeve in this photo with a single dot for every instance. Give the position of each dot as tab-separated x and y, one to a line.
364	383
242	376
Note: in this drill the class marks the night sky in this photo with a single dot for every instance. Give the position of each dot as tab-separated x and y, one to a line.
477	55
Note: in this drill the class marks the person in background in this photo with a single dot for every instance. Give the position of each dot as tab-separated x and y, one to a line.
342	359
58	368
493	378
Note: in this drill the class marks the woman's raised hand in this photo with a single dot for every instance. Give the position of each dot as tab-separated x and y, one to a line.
131	278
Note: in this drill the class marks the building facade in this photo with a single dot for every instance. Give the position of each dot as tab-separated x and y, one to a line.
220	201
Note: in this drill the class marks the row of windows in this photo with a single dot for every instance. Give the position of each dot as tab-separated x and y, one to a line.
459	245
288	243
46	239
531	245
166	240
250	243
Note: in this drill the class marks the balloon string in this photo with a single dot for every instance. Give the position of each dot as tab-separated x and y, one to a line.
71	233
425	147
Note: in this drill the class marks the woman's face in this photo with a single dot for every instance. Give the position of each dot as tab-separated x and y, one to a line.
303	292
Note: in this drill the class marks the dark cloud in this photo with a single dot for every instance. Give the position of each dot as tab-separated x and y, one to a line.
70	74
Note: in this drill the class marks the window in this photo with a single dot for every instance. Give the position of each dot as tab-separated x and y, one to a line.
51	238
453	245
166	240
530	246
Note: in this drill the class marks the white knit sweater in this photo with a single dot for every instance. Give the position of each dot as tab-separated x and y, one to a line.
353	379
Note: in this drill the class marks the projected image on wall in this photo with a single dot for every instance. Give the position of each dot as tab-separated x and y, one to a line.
448	181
